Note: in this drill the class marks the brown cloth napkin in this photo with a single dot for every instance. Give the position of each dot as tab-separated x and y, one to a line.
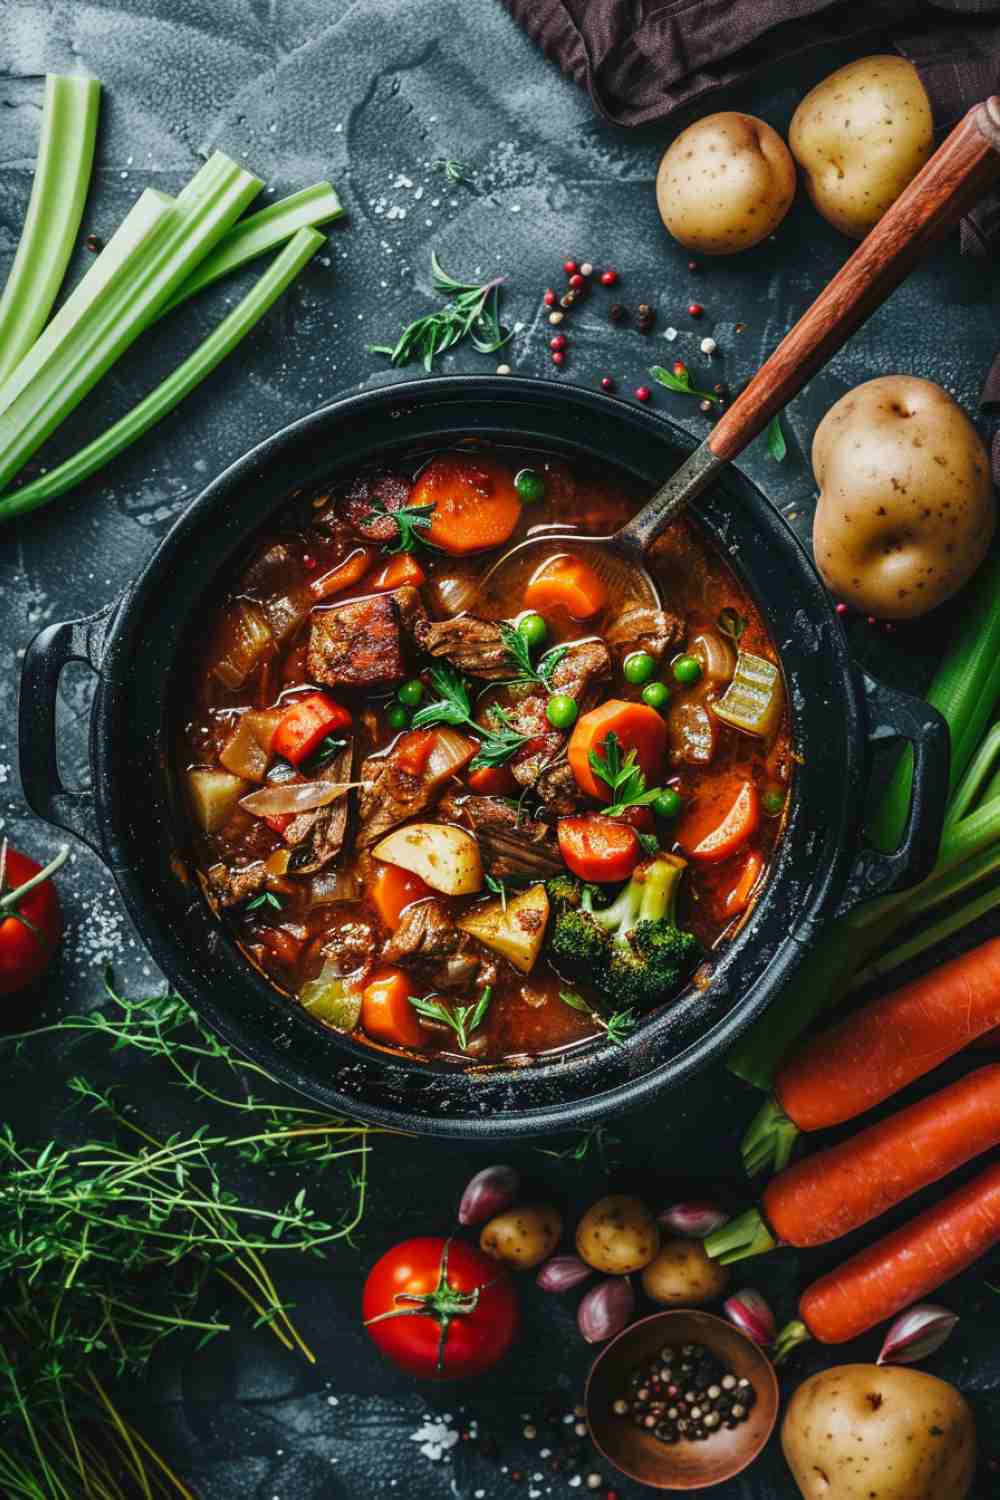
643	60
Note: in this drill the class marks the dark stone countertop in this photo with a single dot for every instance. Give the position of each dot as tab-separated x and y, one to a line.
374	96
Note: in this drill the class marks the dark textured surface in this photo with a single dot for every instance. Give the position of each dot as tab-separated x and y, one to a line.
372	95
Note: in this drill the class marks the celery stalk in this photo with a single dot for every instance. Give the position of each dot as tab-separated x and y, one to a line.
258	234
63	368
55	208
221	342
929	937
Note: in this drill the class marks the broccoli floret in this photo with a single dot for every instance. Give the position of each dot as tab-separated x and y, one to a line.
566	893
633	949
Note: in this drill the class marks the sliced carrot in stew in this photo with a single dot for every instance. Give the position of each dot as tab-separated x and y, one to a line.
492	781
475	503
393	889
386	1012
637	727
397	572
304	725
598	848
738	898
344	575
569	584
414	750
739	824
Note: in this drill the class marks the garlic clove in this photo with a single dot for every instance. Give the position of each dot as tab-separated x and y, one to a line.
752	1315
916	1333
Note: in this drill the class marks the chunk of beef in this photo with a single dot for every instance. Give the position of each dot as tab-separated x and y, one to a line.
473	646
233	886
582	673
368	498
641	628
351	944
510	844
357	644
318	836
447	958
390	794
411	608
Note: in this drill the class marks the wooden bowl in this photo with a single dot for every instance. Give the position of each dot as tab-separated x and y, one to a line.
683	1466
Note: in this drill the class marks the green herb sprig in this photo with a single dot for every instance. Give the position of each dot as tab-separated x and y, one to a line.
682	384
410	521
471	312
498	742
463	1019
776	445
527	670
266	898
623	775
617	1027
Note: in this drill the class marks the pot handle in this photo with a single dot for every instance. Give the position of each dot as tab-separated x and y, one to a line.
51	650
895	715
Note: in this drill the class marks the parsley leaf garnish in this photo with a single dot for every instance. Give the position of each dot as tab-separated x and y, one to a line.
266	898
454	706
326	751
624	776
409	519
471	312
776	445
463	1019
682	384
519	651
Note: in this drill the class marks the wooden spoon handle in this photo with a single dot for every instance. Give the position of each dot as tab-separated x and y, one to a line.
965	165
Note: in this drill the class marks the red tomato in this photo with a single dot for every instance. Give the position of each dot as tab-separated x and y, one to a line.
30	924
440	1308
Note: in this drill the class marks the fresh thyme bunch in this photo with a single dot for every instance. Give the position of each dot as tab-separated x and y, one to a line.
111	1246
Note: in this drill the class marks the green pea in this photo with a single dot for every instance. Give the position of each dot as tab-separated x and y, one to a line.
774	802
411	692
530	486
534	629
396	716
656	694
639	667
668	804
687	669
561	711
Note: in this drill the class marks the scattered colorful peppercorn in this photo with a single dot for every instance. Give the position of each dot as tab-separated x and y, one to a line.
695	309
607	384
643	393
609	278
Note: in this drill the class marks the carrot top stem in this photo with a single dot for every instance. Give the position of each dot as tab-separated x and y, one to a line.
742	1237
769	1140
791	1336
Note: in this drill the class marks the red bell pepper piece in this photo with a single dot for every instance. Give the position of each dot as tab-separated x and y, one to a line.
305	724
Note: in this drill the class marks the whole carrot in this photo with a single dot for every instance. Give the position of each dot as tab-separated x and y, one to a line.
835	1191
902	1268
877	1051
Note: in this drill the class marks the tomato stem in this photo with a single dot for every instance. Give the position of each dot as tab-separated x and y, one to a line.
445	1303
10	901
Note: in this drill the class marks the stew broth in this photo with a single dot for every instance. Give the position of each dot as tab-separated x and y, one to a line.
297	695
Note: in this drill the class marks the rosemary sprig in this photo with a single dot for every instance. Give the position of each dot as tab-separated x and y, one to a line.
471	312
519	651
624	776
410	521
463	1019
616	1027
498	742
266	898
456	171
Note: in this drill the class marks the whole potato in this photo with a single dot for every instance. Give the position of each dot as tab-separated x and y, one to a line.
725	184
862	1430
906	509
522	1237
684	1275
617	1235
860	136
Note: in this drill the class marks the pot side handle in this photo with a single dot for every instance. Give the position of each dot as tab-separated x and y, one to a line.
50	651
895	715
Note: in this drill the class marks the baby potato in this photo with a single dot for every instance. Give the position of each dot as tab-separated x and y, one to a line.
617	1235
684	1275
522	1237
906	508
725	184
860	136
862	1430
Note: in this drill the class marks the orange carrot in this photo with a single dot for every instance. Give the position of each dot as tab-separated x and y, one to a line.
738	898
907	1265
836	1191
492	781
414	749
349	572
475	503
597	848
566	583
305	724
392	889
398	571
637	727
738	825
988	1043
386	1012
880	1049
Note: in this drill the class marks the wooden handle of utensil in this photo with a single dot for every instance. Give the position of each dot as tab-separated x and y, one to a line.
962	169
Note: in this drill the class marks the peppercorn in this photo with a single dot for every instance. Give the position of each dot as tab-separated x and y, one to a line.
576	281
567	300
586	269
550	298
94	243
693	265
570	267
558	358
607	384
680	368
616	312
695	309
609	278
643	393
556	318
557	343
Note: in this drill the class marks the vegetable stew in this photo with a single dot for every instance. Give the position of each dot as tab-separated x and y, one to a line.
475	822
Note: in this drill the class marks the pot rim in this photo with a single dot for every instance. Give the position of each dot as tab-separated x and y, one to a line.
429	405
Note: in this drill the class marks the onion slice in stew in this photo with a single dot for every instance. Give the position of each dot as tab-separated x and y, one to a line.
449	752
295	797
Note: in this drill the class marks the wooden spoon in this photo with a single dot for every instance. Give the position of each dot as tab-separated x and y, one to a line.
963	168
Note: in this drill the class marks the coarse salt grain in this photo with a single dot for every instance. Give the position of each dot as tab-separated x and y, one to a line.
708	346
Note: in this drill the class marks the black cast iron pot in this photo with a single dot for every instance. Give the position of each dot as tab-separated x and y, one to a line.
133	816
